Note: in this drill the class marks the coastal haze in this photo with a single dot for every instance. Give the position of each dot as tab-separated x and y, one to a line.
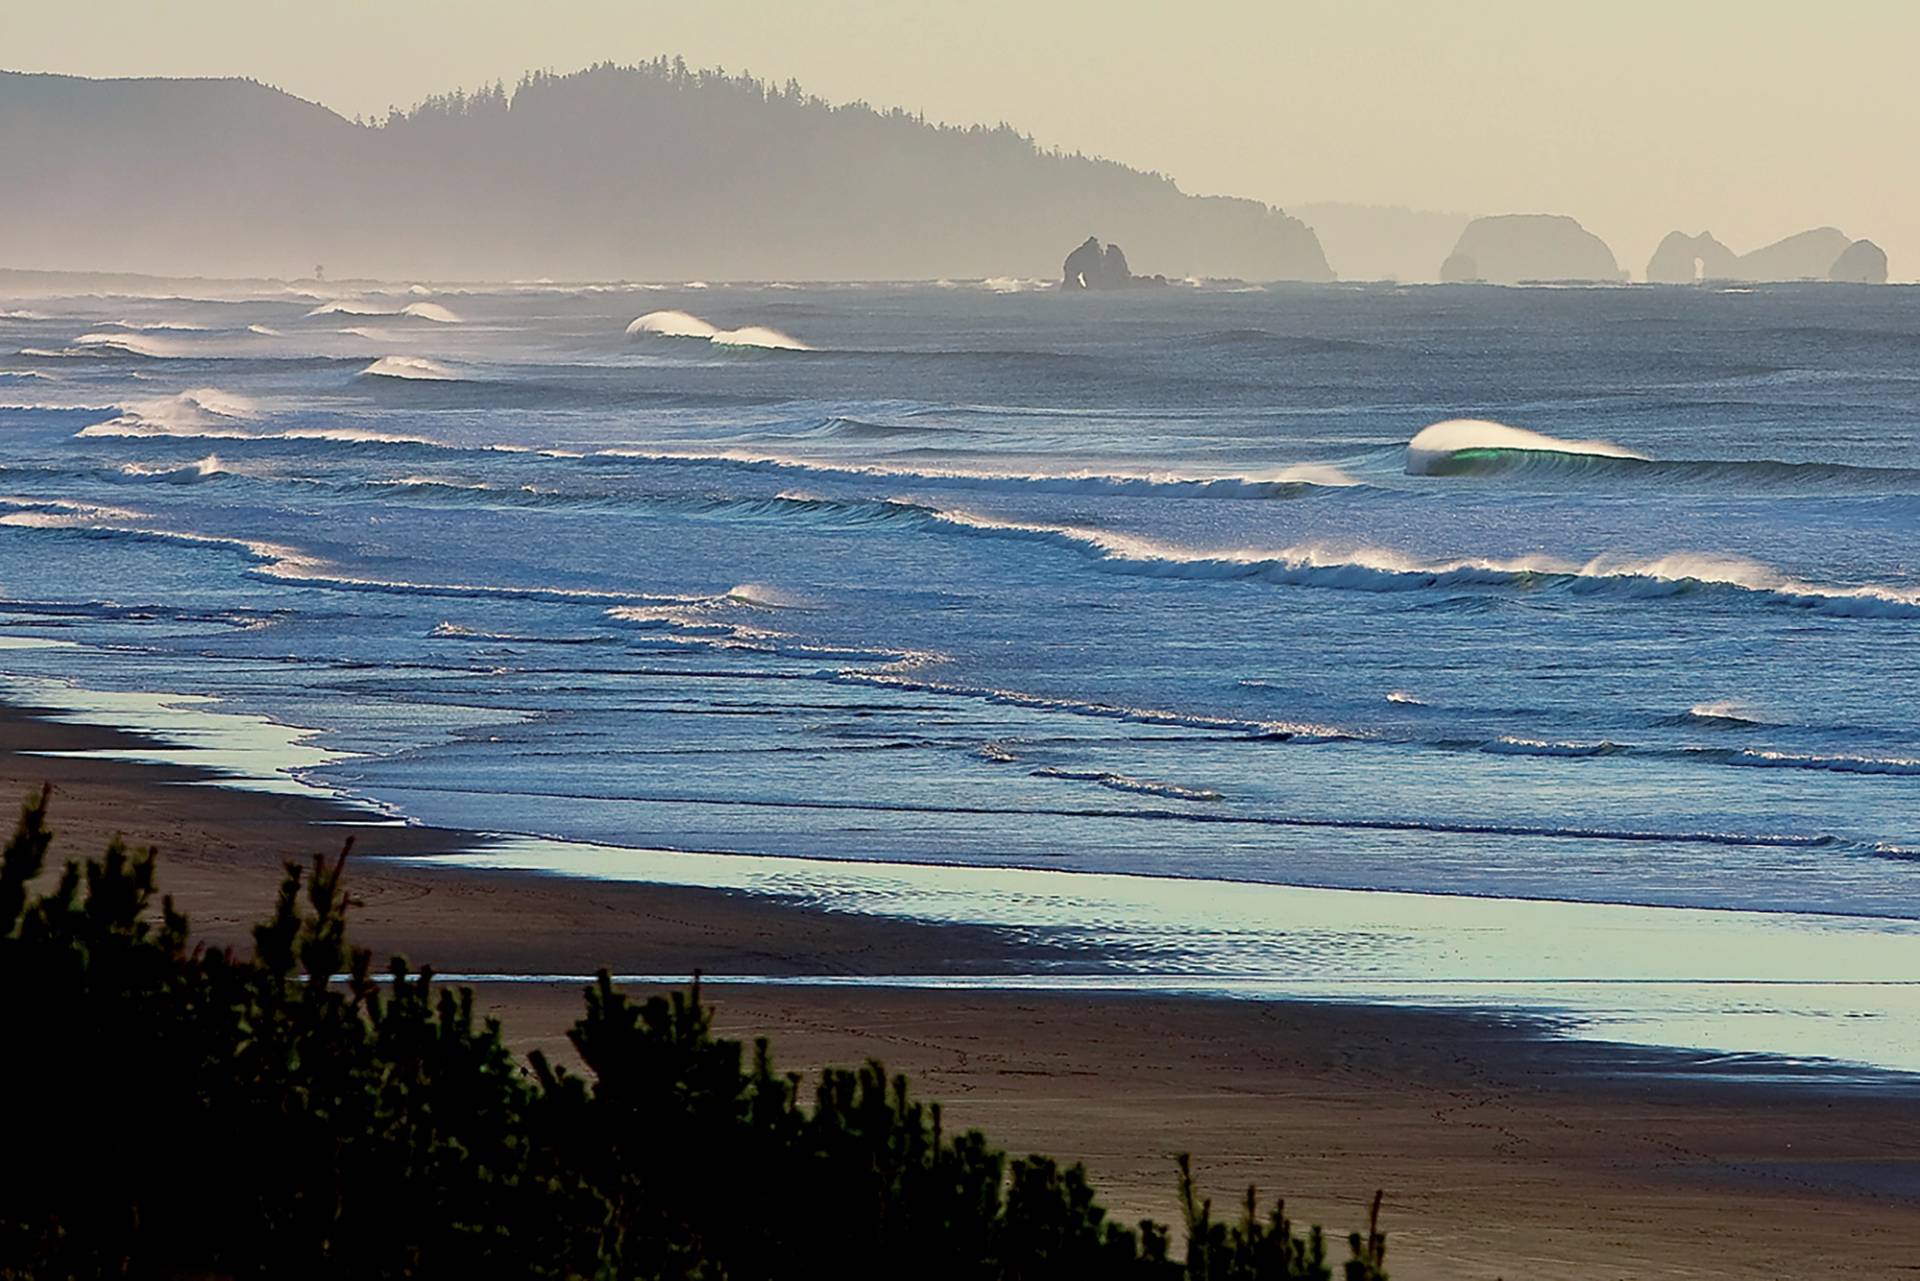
969	585
1752	122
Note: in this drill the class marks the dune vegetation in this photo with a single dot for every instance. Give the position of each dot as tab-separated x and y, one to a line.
180	1110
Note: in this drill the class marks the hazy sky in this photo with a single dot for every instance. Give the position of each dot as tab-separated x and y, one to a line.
1749	119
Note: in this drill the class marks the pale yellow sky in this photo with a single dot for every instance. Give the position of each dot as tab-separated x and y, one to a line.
1750	119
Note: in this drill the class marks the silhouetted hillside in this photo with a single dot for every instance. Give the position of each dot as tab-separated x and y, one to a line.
641	172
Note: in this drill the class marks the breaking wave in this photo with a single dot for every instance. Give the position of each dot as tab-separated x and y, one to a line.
1127	783
417	310
417	368
1510	745
1839	764
1455	445
212	414
1465	446
204	411
680	324
1381	569
1282	482
181	474
133	344
1722	714
691	625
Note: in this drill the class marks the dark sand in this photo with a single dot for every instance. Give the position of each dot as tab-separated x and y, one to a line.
1503	1153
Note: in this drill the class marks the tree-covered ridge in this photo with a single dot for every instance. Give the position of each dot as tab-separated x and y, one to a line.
177	1110
712	84
648	172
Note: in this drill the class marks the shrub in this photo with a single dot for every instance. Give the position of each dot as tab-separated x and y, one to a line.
172	1110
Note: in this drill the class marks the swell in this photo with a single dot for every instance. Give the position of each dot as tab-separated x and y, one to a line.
1674	576
1758	473
1285	482
1746	757
289	564
682	624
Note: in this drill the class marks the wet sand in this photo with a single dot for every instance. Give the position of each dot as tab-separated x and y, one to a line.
1503	1152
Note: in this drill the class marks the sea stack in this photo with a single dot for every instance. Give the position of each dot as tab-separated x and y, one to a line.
1860	263
1093	267
1510	248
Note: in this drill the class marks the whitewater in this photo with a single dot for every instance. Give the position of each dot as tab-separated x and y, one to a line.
1307	587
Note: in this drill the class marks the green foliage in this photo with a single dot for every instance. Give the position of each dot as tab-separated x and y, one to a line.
172	1110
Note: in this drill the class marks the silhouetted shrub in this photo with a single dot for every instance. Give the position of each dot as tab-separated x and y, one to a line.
177	1111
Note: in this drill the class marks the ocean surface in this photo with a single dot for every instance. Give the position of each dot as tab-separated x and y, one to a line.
1583	596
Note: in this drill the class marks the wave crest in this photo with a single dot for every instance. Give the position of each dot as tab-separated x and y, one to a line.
680	324
1452	446
1383	569
414	368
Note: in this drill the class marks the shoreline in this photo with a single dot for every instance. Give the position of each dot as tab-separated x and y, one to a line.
1504	1150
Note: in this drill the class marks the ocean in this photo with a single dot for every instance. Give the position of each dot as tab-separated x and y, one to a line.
1413	614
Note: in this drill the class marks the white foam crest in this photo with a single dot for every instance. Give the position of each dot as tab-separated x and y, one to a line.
65	508
156	326
22	314
761	596
204	411
440	482
680	324
1430	449
1727	710
1256	484
1015	284
265	331
430	311
1405	699
134	344
689	626
1683	571
202	469
1128	783
1513	745
351	309
214	415
46	406
1383	569
1840	764
411	367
